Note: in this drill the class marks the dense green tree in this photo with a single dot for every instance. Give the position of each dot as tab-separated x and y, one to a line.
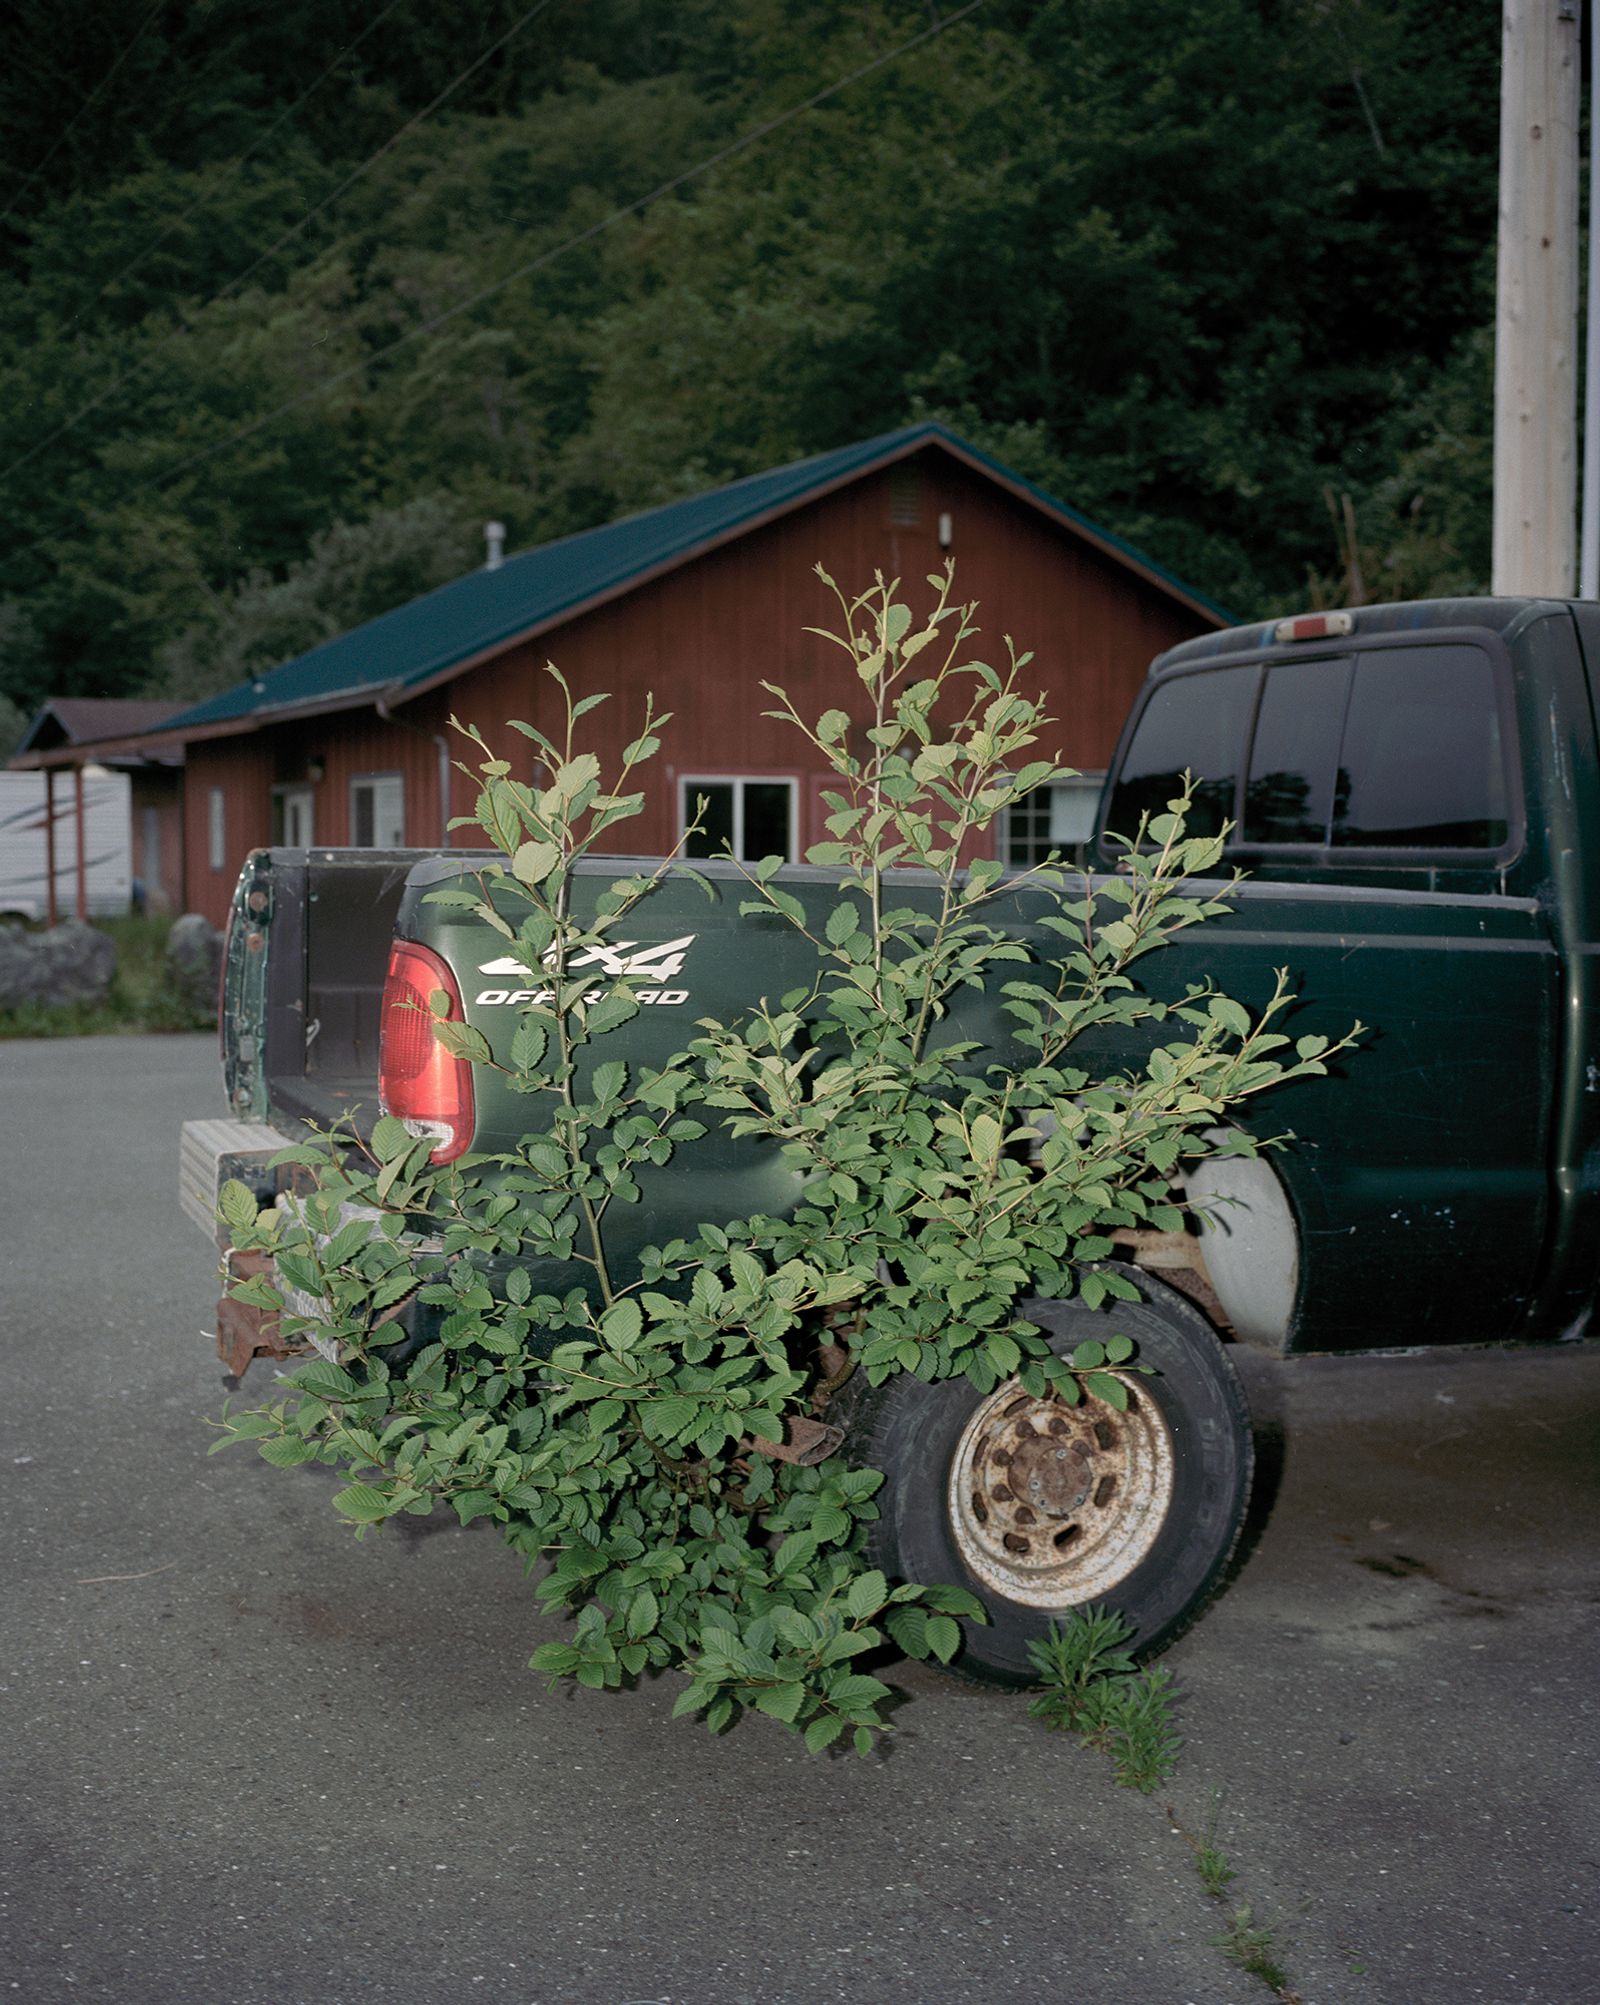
353	572
1194	278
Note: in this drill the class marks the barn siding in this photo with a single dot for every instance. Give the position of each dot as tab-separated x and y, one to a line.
703	637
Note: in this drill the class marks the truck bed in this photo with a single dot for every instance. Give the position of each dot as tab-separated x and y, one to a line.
305	963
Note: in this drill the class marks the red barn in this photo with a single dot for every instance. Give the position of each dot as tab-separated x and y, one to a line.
698	601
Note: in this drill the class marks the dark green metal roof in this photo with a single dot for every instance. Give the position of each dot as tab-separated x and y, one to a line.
485	610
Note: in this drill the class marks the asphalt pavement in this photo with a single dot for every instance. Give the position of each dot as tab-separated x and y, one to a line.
247	1760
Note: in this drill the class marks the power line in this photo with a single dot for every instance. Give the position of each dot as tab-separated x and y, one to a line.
66	131
234	165
187	327
425	328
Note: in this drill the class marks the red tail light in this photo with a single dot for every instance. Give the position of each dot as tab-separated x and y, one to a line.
419	1082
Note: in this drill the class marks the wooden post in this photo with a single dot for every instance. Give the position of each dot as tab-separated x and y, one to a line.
1536	329
51	914
77	806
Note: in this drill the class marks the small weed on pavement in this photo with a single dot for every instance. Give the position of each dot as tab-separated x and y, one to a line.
1093	1688
1250	1945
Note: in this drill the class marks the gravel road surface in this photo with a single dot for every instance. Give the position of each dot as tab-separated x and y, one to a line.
245	1760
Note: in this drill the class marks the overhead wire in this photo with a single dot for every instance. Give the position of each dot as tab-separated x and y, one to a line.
426	328
187	326
239	160
68	129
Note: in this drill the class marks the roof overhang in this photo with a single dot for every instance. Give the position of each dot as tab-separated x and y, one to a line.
143	750
385	696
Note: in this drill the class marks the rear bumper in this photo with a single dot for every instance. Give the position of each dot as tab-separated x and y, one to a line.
211	1153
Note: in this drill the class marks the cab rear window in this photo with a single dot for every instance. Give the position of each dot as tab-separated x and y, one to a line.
1421	764
1387	749
1194	724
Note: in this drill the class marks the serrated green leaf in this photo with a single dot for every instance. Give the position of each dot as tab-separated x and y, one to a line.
867	1594
782	1702
842	922
325	1381
533	862
528	1045
823	1731
462	1040
1103	1386
609	1013
944	1637
986	1136
909	1628
237	1203
797	1550
286	1452
621	1324
363	1503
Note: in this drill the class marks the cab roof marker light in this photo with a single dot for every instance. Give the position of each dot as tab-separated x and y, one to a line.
1315	626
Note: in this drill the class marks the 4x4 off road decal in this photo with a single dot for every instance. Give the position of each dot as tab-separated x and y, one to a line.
624	957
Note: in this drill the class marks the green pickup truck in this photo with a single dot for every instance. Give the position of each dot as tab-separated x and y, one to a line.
1412	792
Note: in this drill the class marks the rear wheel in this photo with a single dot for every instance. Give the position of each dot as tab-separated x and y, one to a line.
1039	1507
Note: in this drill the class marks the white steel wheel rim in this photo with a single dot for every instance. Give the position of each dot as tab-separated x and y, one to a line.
1054	1505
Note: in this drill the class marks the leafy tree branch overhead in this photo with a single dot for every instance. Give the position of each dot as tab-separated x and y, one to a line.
1195	280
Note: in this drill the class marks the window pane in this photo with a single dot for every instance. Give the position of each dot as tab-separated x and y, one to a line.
1290	794
1195	723
766	820
1027	831
389	811
715	834
1058	819
1421	764
1072	808
361	814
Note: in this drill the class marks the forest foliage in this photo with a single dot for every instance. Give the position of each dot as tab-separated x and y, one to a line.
293	300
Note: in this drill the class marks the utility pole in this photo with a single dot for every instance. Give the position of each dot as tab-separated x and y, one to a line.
1536	324
1589	543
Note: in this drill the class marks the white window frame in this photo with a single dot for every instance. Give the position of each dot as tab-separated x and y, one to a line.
691	784
217	828
1080	784
375	781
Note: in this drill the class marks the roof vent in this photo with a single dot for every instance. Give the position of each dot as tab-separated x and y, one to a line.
494	536
905	495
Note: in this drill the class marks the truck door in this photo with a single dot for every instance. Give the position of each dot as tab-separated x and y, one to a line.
1377	807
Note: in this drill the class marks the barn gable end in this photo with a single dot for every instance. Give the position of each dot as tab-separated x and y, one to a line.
697	604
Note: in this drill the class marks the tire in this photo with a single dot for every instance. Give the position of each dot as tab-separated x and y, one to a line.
1136	1511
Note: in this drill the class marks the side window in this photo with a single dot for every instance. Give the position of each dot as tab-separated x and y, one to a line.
378	811
1294	756
1422	765
1196	724
752	817
217	829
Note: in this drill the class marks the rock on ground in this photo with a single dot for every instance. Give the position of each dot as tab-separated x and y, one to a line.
71	963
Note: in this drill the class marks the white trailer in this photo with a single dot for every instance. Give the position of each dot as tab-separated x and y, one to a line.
25	846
